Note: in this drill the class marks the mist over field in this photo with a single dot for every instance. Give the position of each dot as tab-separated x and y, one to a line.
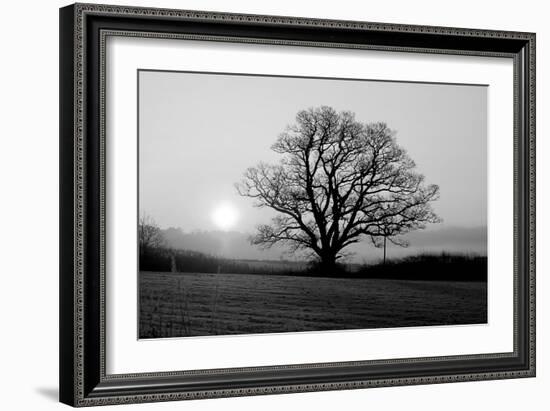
235	245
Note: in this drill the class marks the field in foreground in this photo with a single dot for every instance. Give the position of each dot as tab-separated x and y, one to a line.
187	304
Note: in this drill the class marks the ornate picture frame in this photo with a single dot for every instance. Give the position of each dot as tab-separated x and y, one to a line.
84	378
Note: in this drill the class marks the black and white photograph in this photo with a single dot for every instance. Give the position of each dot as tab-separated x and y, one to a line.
275	204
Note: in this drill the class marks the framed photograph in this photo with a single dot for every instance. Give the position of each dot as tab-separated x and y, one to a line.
262	204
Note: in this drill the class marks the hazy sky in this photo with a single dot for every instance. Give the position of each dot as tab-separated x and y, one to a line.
198	133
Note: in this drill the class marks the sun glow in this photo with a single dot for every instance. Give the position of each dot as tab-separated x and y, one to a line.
225	216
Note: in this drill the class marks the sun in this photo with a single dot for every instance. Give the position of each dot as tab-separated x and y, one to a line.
225	216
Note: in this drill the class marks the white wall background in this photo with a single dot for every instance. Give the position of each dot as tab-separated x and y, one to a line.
29	204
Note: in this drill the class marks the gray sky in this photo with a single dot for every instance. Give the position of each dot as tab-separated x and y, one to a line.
198	133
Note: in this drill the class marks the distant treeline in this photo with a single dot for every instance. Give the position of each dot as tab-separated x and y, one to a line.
445	266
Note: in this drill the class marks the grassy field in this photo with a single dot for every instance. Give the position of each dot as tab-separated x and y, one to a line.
185	304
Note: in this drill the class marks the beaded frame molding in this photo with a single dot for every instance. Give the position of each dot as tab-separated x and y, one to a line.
83	32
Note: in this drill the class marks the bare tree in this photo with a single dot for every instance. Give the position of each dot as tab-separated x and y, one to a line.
150	235
390	229
338	181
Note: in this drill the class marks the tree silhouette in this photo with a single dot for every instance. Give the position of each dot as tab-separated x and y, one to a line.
389	229
338	181
150	235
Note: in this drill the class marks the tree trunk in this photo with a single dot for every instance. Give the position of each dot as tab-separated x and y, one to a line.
384	249
328	263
